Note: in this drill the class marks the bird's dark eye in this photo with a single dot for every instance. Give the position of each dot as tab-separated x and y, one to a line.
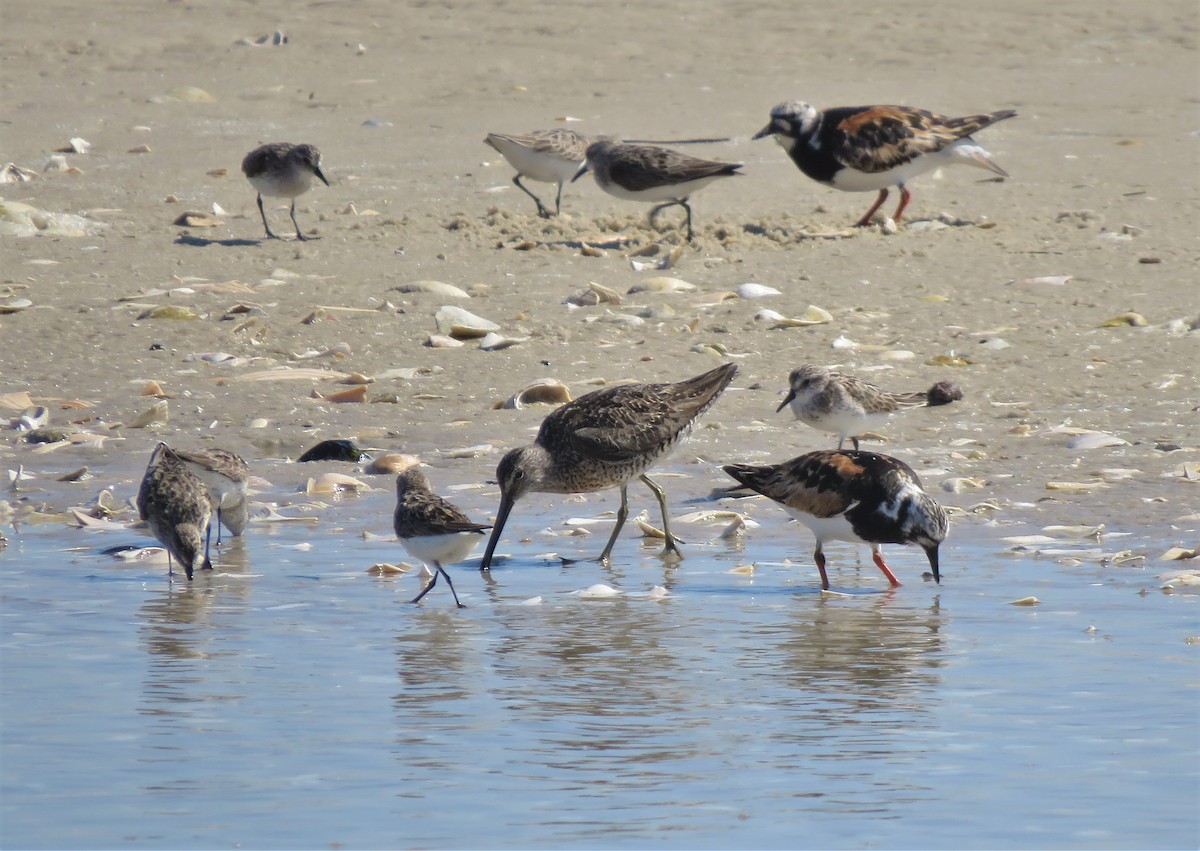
520	474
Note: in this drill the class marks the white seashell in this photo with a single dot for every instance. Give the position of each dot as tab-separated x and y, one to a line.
743	570
597	592
769	316
532	601
622	319
752	290
13	173
335	483
477	451
434	287
658	593
995	344
32	417
1029	540
462	324
1051	280
493	342
441	341
844	343
1025	601
1095	440
812	316
662	285
897	354
258	422
1078	532
734	531
156	414
57	162
543	391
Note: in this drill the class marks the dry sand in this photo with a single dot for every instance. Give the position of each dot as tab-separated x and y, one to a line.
399	96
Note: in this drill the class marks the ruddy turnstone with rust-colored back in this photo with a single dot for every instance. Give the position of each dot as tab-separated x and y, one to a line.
853	496
547	156
432	529
872	148
832	401
176	507
282	170
647	173
605	439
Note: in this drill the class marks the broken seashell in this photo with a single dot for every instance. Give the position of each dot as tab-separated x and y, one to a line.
1135	320
661	285
441	341
169	311
493	342
753	290
543	391
357	393
949	360
1052	280
33	417
588	251
385	569
153	388
462	324
1095	440
156	414
13	173
1025	601
433	287
392	463
597	592
335	483
193	219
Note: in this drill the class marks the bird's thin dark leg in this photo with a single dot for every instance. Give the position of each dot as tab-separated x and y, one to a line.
877	557
687	207
866	220
672	546
622	514
263	213
218	531
542	211
208	538
443	572
299	235
558	200
905	195
429	588
854	440
819	558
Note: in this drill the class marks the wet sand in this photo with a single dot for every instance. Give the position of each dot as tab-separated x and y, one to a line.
1104	189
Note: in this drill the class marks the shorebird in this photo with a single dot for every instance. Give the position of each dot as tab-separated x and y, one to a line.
547	156
432	529
648	173
225	475
175	505
603	440
853	496
871	148
282	170
832	401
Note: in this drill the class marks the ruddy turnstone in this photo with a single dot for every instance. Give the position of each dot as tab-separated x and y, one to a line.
853	496
832	401
547	156
870	148
175	505
282	170
647	173
603	440
225	475
431	528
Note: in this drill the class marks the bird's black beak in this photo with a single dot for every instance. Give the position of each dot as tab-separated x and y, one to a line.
769	130
932	552
506	504
583	169
317	171
791	396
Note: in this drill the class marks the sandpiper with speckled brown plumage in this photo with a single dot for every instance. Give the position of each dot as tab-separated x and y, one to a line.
432	529
872	148
833	401
860	497
176	507
605	439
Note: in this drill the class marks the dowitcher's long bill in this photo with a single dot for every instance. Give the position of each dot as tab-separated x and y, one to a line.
175	505
547	156
647	173
872	148
282	170
853	496
832	401
603	440
432	529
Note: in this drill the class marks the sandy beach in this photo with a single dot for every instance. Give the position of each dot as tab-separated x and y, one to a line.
1061	299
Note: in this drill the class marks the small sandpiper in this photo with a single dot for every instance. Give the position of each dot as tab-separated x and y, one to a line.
175	505
872	148
649	173
603	440
282	170
831	401
853	496
547	156
432	529
225	475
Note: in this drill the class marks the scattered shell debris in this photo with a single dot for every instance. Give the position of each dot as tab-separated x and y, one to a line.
460	324
542	391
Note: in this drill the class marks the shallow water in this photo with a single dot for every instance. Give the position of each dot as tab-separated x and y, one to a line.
290	699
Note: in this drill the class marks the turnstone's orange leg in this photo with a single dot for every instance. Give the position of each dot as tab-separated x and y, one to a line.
905	195
819	558
877	556
883	194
